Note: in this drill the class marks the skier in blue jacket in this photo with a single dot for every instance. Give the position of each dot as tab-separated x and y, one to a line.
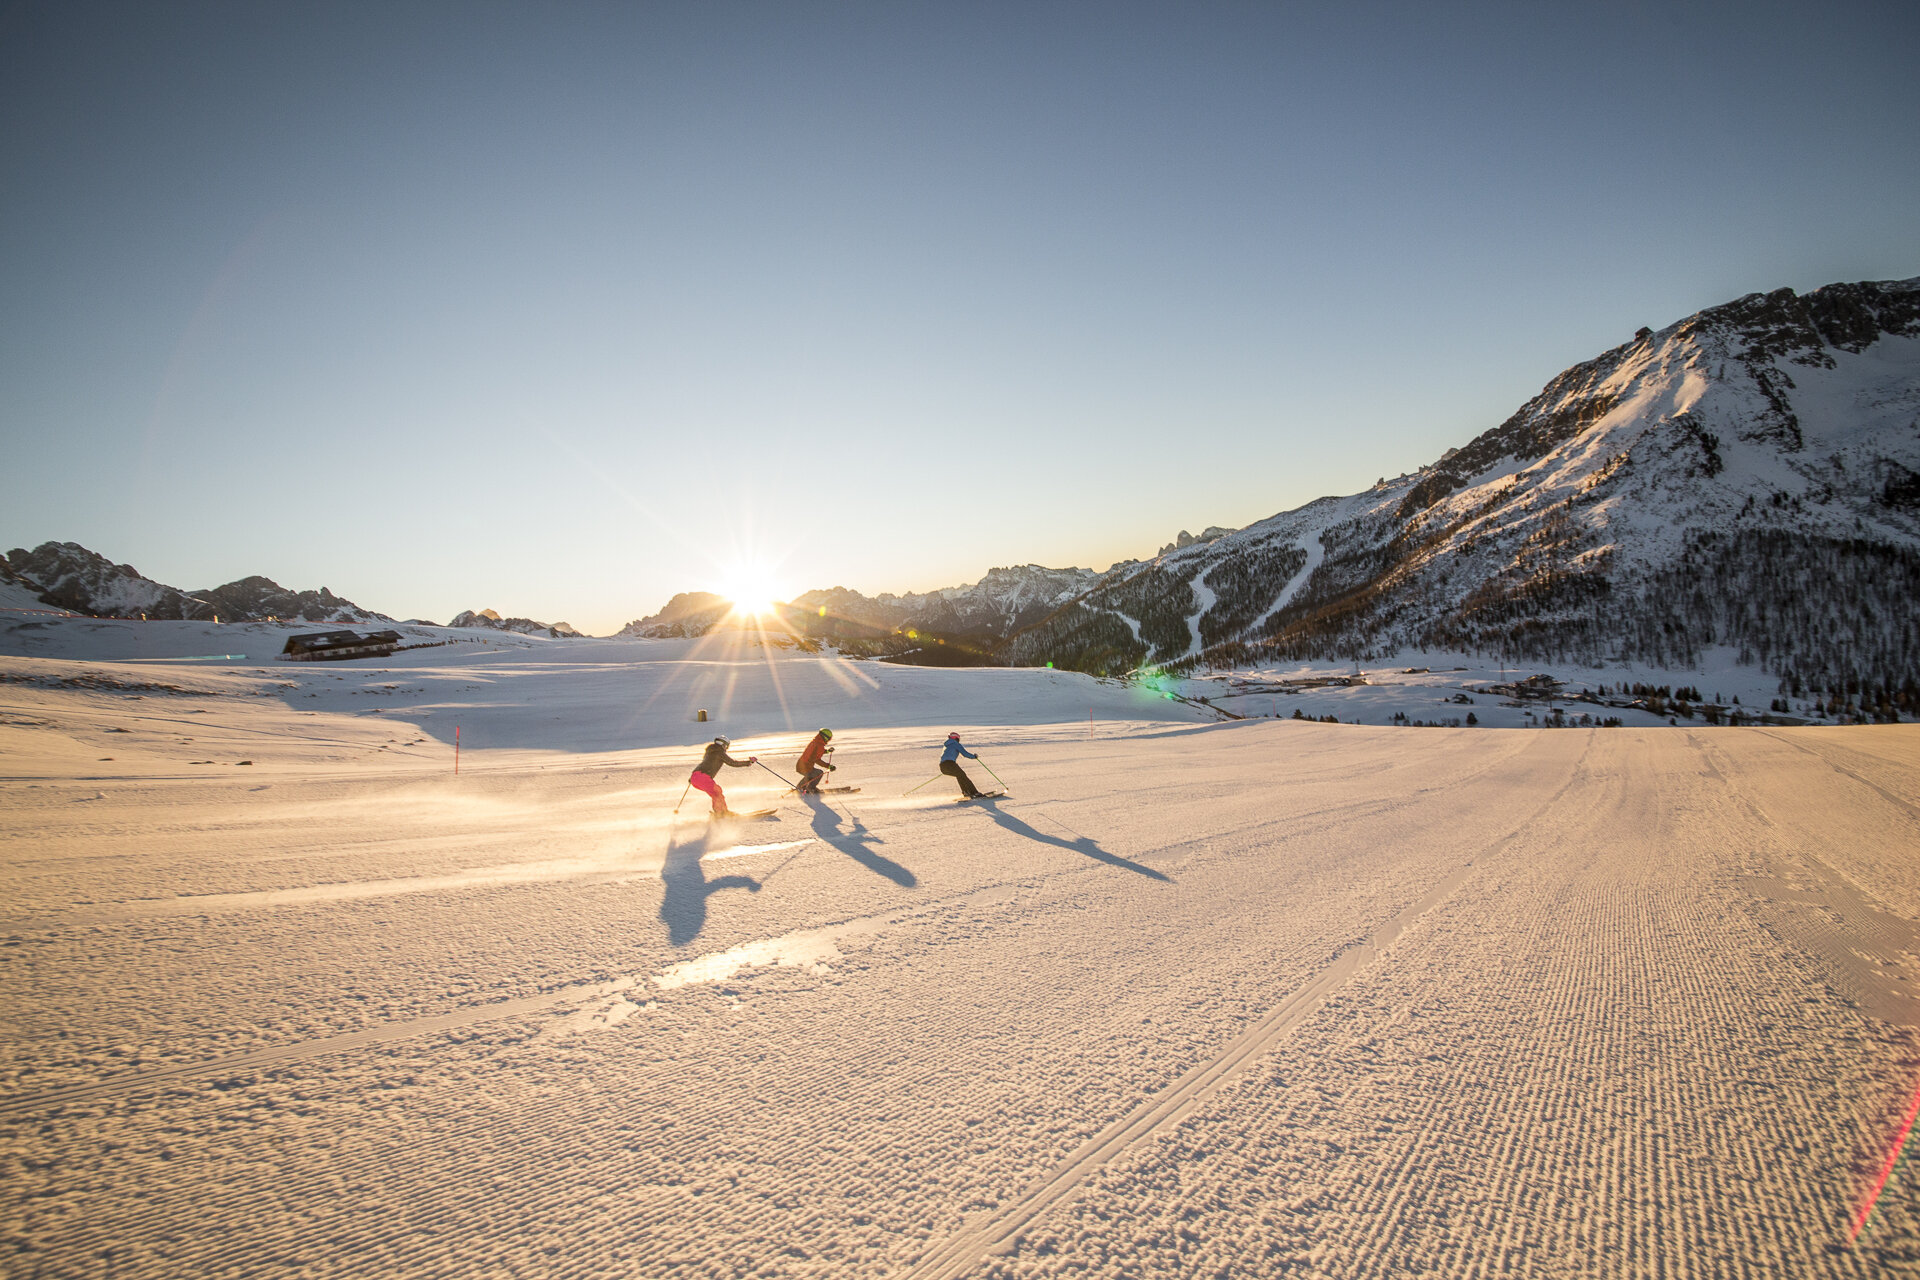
950	765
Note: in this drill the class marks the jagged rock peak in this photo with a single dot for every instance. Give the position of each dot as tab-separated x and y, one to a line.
689	613
86	582
1186	539
72	577
492	621
257	597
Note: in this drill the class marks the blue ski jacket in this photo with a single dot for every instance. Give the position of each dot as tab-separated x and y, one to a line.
955	749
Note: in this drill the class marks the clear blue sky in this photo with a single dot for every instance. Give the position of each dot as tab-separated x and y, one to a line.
561	308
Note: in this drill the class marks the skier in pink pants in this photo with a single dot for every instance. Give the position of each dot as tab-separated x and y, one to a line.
703	779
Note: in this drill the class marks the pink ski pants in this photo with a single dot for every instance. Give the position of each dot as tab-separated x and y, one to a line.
704	782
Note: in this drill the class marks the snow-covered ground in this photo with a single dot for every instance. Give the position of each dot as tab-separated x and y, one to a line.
285	995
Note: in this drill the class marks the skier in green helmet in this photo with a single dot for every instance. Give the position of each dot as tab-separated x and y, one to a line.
813	764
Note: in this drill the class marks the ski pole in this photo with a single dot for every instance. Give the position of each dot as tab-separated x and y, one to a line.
826	759
911	790
788	785
683	796
991	773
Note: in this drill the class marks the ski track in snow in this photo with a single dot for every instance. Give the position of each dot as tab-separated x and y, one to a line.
1002	1232
999	1233
1207	597
1251	999
1316	553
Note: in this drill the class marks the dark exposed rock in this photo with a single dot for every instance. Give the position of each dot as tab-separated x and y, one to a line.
257	597
1186	539
520	626
966	620
85	582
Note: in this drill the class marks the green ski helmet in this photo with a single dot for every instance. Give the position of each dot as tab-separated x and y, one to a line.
826	733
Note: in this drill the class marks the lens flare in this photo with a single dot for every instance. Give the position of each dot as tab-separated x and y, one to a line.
1886	1170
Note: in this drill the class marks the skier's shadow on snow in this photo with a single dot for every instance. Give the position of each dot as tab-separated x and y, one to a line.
1080	844
683	909
854	842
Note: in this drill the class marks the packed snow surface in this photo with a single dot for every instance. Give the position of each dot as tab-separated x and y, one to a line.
287	995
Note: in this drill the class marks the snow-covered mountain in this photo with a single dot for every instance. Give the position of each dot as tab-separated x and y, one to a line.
1001	603
690	613
75	578
18	591
72	577
491	620
251	599
1747	477
979	615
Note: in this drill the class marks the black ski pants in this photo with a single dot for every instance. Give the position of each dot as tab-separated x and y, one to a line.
953	770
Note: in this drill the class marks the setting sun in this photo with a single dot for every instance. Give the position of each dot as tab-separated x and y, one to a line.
751	593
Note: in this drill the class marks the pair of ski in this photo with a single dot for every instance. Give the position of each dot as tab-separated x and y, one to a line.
761	815
820	791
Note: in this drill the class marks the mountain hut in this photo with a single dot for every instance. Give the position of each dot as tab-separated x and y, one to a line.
327	646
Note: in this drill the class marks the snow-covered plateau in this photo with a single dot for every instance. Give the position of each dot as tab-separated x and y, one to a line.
287	994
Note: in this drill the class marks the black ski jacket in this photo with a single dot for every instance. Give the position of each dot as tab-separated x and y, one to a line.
716	756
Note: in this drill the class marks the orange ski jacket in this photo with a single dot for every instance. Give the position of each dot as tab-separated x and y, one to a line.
811	756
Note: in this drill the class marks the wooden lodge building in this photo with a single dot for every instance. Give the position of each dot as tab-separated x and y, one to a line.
326	646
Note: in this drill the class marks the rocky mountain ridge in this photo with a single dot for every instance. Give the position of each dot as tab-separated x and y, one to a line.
66	575
69	576
690	613
491	620
1186	539
1747	477
975	617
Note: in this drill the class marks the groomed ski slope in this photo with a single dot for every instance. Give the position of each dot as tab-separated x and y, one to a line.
1262	998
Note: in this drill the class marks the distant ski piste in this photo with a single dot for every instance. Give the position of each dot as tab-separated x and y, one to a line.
197	657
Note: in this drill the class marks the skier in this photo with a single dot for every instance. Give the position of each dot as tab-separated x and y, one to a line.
950	765
812	765
703	779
